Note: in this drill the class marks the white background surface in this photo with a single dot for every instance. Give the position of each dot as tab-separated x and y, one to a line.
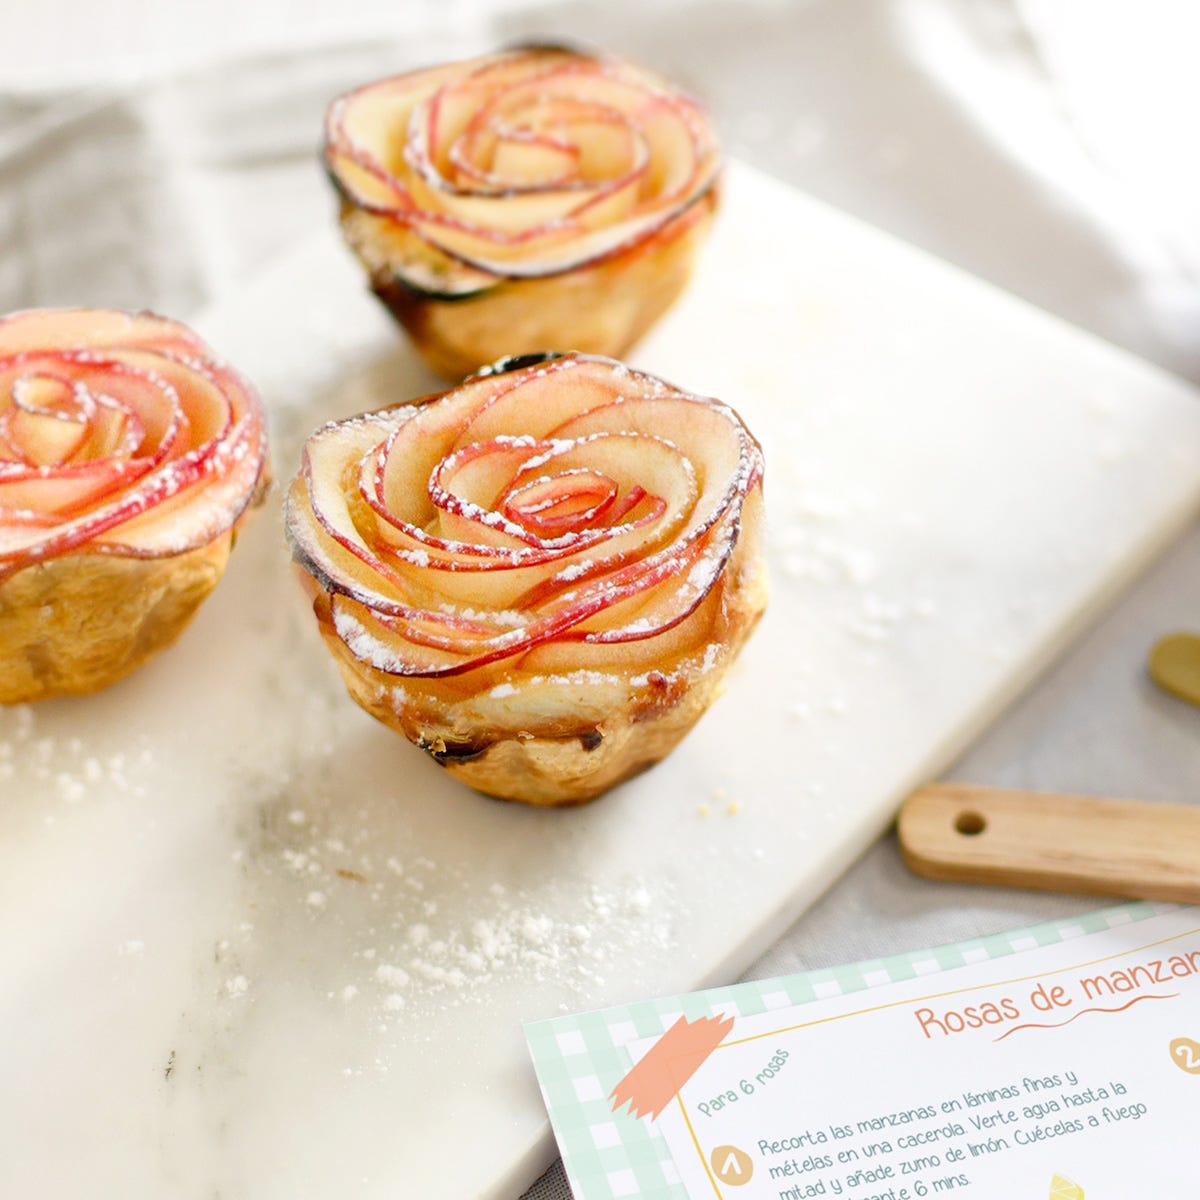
1047	151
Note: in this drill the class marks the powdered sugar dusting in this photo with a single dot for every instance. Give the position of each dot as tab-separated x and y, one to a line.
65	771
412	935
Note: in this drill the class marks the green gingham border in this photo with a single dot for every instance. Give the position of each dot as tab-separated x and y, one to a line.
579	1059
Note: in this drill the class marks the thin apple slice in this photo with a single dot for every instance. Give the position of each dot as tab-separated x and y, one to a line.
574	498
45	439
66	491
30	334
524	159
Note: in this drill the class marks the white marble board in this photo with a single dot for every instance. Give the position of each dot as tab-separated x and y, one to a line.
253	946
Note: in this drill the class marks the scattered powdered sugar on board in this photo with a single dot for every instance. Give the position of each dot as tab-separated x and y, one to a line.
431	932
387	932
67	770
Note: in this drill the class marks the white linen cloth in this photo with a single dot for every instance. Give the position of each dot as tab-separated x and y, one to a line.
1044	147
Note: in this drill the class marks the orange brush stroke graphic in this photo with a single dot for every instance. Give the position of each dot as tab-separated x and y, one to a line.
1083	1012
654	1082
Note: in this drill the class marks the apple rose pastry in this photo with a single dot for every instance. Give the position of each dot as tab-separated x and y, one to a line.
127	456
539	577
532	198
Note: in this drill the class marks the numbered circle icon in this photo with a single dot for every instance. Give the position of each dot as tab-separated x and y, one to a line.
1185	1053
731	1166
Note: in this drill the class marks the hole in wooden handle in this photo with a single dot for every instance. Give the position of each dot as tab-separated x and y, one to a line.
970	823
974	834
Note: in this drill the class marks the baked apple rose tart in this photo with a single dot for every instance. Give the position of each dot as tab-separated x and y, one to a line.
127	457
531	198
540	576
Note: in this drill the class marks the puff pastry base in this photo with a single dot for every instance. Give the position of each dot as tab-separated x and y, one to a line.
73	625
603	308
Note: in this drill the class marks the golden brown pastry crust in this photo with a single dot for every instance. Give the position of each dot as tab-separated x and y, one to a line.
74	625
129	455
603	308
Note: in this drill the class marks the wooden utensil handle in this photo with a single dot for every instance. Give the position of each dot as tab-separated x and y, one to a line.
1053	842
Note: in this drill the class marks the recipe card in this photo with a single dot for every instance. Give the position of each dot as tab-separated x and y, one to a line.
1057	1062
